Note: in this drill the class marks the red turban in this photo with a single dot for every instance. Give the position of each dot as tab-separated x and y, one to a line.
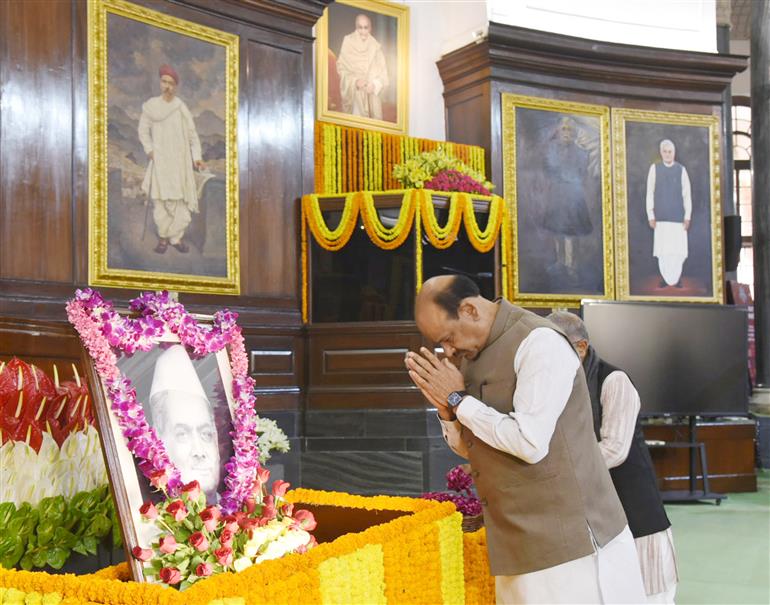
167	70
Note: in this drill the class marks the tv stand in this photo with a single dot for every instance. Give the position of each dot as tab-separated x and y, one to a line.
697	448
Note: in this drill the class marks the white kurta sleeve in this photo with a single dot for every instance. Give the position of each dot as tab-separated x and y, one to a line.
192	134
451	430
620	407
545	366
686	194
651	193
145	137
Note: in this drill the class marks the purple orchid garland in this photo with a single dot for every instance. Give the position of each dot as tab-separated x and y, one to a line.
102	330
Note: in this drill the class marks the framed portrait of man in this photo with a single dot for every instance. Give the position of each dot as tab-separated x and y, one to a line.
362	65
188	401
557	186
667	206
163	172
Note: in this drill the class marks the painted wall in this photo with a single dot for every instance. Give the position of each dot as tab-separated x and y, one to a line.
438	27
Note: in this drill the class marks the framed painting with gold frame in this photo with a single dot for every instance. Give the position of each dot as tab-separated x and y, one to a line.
668	217
557	185
362	65
163	169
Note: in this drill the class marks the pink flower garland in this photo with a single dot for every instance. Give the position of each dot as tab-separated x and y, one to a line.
103	330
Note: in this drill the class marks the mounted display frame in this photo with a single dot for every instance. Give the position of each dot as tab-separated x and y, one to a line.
362	65
163	169
668	215
556	166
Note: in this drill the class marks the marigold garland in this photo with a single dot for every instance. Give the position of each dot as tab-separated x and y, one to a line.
415	558
416	209
353	159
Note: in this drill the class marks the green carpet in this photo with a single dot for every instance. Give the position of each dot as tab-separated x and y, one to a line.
723	551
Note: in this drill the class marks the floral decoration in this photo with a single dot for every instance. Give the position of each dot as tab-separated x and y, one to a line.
249	524
353	159
419	169
416	557
460	484
454	180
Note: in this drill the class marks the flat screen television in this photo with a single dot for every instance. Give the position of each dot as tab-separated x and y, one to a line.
684	359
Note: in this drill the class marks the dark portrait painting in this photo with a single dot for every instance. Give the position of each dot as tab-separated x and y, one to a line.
668	206
559	203
188	160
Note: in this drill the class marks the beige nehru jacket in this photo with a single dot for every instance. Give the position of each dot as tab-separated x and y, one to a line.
537	515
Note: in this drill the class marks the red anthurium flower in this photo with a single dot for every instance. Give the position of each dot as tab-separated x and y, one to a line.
199	542
178	510
192	490
250	504
304	519
148	510
263	475
204	569
167	544
279	488
170	575
142	554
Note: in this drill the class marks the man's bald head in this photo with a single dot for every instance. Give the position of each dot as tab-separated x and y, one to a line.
450	311
447	292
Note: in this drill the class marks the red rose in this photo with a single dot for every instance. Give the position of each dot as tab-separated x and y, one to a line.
192	490
248	523
204	569
159	479
210	517
148	510
226	537
167	544
170	575
142	554
224	556
231	523
177	509
199	542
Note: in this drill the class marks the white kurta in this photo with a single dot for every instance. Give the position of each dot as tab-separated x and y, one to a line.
545	367
620	407
669	244
167	129
361	60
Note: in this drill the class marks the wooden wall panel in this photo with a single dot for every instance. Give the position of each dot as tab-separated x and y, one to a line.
36	141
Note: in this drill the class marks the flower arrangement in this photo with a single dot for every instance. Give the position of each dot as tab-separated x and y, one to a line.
461	485
271	437
453	180
420	169
248	525
198	541
54	498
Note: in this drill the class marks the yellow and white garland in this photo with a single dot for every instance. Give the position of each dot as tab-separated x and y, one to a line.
416	210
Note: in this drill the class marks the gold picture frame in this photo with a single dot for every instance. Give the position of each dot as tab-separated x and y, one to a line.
678	259
140	237
556	161
338	98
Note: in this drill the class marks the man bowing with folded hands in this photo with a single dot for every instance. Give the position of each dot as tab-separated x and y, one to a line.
519	409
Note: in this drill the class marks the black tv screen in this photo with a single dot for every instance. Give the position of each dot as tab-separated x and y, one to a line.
683	359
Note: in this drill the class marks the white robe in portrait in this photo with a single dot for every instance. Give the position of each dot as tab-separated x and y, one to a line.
166	129
361	59
670	239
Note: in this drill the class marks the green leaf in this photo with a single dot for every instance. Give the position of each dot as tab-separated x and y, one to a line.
11	550
7	509
57	557
26	562
80	548
90	542
39	556
100	526
64	538
45	530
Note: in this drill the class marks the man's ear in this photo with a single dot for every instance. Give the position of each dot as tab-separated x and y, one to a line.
468	309
581	346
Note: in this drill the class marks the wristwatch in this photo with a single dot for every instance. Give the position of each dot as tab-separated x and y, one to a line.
455	397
